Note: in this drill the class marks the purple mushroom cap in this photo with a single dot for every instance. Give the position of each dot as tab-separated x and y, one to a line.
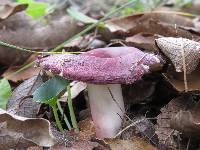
123	65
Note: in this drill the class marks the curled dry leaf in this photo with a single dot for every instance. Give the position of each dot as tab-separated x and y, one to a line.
31	129
166	134
8	9
173	49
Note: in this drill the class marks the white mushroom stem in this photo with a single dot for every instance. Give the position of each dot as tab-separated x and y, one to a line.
107	108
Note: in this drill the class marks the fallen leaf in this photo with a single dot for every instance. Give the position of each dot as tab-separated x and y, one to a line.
144	41
26	73
34	130
21	102
163	23
76	89
44	37
187	122
81	140
5	93
9	9
177	81
173	49
167	135
133	144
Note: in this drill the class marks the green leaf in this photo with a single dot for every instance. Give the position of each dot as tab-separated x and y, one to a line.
50	90
35	9
5	92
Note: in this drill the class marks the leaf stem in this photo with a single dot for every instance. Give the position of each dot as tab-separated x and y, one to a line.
57	118
71	110
65	118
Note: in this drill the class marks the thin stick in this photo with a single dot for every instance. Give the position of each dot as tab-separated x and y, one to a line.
32	51
184	66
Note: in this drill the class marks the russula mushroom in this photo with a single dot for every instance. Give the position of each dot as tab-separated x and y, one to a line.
104	70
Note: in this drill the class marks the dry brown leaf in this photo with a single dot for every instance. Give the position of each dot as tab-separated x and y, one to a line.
177	81
21	103
81	140
134	144
24	74
33	130
22	31
163	23
173	47
143	41
166	134
128	22
9	9
187	122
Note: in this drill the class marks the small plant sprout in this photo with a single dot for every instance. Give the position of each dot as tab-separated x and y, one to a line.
48	93
104	70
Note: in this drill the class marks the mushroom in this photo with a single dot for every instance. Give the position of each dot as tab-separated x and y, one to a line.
104	70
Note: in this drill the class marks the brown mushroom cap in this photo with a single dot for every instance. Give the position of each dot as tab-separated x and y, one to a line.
123	65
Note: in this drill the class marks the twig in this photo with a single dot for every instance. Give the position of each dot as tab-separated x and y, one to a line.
188	144
127	127
184	66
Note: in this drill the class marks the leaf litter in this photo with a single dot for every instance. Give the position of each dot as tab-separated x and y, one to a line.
173	118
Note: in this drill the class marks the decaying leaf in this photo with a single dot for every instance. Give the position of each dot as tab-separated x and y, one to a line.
34	130
173	49
143	40
24	74
133	144
177	81
167	135
162	23
81	140
43	37
9	9
187	122
126	23
21	102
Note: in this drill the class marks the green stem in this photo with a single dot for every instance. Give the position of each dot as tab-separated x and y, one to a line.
71	110
65	118
57	118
